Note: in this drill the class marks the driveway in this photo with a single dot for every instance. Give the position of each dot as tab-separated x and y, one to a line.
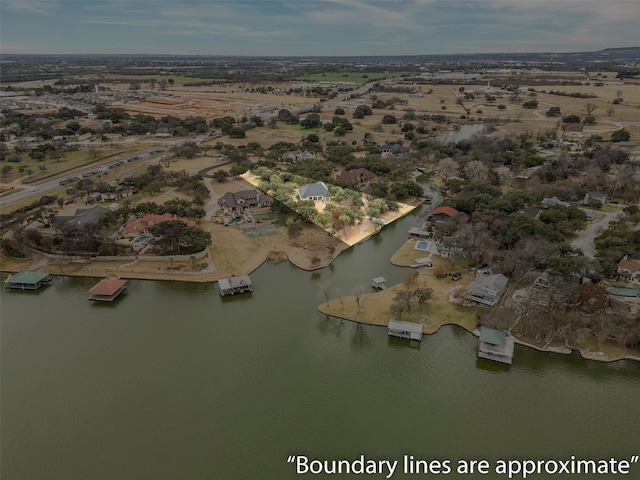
584	240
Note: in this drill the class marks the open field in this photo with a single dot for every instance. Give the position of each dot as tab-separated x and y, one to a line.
353	77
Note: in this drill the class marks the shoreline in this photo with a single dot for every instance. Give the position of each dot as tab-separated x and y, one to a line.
229	245
564	350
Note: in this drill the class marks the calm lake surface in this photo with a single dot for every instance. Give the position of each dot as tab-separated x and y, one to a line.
173	382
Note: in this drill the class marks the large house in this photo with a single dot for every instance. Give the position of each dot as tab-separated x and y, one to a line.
317	192
145	223
355	177
442	213
238	201
488	289
74	224
629	270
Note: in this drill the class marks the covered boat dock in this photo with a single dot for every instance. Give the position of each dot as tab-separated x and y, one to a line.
27	280
496	345
107	289
409	330
233	285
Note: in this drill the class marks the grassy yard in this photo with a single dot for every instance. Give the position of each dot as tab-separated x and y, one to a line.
433	314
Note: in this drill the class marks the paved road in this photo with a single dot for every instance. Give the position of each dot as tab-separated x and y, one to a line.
38	190
584	240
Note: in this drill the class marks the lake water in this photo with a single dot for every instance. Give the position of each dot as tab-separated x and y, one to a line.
174	382
464	133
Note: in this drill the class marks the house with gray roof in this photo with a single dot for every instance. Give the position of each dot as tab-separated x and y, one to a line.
549	202
317	192
74	224
238	201
488	289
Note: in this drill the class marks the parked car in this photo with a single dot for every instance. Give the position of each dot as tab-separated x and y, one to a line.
456	276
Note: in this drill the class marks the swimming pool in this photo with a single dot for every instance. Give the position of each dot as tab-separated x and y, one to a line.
140	242
421	245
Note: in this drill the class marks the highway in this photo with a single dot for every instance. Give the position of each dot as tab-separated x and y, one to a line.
51	185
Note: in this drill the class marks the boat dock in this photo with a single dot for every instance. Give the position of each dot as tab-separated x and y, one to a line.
27	280
234	285
107	289
496	345
408	330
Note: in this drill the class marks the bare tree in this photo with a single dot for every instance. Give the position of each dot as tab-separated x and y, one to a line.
56	155
94	150
325	291
590	107
360	296
476	170
423	295
447	167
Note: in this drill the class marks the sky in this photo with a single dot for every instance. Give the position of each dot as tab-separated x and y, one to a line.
315	27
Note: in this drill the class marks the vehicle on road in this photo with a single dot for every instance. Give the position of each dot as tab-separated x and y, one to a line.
68	180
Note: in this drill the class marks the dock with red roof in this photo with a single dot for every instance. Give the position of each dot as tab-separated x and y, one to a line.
107	289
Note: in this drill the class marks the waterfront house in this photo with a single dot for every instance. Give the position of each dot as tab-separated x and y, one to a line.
416	232
629	270
145	223
74	224
443	213
448	248
26	280
356	176
239	201
496	345
107	289
408	330
315	191
487	289
234	285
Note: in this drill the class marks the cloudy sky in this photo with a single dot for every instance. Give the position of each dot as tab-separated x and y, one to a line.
316	27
